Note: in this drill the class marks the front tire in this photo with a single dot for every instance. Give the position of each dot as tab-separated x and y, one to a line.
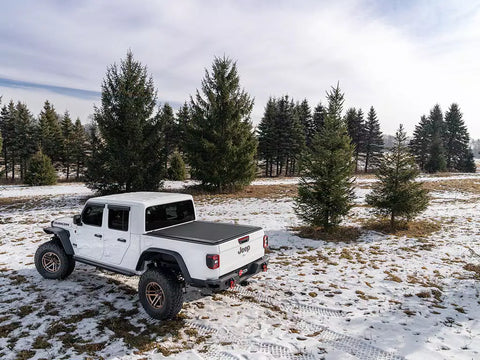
160	294
52	262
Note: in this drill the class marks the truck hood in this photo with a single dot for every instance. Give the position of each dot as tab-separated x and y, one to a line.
64	222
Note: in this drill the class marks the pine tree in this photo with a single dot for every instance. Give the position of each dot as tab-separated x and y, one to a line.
177	171
306	119
66	126
397	194
79	147
51	141
129	143
183	122
420	144
318	117
25	136
356	130
170	132
222	146
456	139
40	171
373	140
325	191
467	162
7	117
267	136
436	160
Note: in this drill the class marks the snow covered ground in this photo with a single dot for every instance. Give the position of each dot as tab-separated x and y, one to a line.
380	297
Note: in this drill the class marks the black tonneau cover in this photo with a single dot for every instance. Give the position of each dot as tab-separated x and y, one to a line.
204	232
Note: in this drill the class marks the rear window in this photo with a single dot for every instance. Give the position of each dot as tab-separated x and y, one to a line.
118	218
160	216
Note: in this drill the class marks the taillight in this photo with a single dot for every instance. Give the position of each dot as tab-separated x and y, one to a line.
213	261
265	241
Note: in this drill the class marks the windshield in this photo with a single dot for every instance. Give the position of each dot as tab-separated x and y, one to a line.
160	216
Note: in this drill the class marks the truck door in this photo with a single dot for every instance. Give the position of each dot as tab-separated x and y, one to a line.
89	237
117	234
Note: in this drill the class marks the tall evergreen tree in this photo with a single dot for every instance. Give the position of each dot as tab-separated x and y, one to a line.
79	147
306	120
420	143
66	126
25	136
456	139
7	118
325	191
318	117
397	194
183	122
222	146
436	160
128	146
373	145
356	130
50	133
170	132
267	136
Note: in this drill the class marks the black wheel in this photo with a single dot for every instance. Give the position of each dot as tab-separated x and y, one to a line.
160	294
52	262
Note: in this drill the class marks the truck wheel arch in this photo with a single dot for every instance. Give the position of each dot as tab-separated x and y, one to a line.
64	237
152	253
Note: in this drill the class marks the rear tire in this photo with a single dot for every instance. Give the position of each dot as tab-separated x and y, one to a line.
52	262
160	294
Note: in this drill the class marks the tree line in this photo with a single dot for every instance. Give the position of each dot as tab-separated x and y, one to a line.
134	144
287	129
442	143
57	136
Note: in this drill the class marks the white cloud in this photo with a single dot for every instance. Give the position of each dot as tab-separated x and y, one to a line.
400	60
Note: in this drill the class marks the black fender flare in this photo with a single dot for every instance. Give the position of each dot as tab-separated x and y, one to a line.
63	235
179	259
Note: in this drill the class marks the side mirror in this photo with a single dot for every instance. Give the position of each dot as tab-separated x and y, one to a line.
77	220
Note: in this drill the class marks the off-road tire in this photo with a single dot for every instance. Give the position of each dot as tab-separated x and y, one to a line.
160	294
52	262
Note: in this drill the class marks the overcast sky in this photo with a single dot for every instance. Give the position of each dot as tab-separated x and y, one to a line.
401	56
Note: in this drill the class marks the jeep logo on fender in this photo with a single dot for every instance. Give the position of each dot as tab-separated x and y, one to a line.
244	250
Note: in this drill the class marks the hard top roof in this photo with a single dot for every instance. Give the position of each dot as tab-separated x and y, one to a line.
141	198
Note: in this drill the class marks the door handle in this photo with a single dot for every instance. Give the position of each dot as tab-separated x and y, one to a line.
121	240
98	235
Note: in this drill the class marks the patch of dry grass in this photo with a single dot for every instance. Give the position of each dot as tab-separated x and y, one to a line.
414	228
461	185
338	234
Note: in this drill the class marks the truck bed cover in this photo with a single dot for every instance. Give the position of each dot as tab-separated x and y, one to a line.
209	233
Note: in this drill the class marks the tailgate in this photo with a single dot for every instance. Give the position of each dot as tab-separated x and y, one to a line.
241	251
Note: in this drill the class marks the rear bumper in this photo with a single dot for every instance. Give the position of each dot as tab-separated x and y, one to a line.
225	281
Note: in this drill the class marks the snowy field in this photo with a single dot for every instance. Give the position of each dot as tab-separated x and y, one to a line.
380	297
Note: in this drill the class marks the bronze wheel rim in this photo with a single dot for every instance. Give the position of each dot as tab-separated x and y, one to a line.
51	262
155	295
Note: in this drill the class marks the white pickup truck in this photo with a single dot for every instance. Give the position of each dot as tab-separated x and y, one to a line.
154	235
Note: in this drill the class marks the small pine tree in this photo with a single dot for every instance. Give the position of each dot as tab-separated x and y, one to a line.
177	170
40	171
397	194
325	191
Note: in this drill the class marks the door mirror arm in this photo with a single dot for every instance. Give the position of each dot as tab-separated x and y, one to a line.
77	220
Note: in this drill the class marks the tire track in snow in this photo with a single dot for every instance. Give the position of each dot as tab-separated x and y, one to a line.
288	306
216	352
353	346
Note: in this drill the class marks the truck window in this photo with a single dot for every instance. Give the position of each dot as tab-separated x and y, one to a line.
118	218
93	214
160	216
